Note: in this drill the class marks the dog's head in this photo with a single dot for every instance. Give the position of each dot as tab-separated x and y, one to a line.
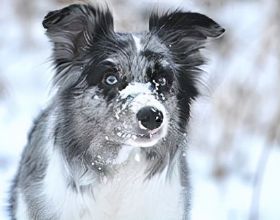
120	89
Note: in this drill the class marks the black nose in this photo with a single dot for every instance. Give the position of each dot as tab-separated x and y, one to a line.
150	117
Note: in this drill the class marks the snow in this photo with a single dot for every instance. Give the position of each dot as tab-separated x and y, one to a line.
25	73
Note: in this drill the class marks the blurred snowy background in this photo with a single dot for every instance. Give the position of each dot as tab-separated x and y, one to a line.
234	136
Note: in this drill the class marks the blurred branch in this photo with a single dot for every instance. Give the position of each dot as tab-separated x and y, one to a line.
257	182
273	134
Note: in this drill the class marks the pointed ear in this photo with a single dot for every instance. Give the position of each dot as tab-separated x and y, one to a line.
73	29
178	25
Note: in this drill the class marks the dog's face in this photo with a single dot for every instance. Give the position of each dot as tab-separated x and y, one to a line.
129	90
122	88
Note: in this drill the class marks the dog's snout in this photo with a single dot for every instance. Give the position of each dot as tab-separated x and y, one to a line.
150	117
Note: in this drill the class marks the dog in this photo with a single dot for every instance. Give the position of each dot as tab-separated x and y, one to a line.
111	143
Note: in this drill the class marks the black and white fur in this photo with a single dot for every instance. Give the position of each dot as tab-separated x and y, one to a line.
89	157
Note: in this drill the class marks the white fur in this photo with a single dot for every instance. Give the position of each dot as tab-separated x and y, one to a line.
125	153
21	208
137	43
127	196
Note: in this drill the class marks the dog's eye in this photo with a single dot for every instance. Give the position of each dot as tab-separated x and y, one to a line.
111	80
162	81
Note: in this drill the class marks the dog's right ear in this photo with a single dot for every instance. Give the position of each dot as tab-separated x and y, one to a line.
74	29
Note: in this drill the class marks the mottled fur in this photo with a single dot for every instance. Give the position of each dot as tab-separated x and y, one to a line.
89	122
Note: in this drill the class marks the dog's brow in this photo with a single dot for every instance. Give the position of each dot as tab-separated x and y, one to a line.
151	55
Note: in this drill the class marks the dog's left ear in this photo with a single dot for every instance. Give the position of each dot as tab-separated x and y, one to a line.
74	29
187	26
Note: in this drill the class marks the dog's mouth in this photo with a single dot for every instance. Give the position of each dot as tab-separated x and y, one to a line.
141	137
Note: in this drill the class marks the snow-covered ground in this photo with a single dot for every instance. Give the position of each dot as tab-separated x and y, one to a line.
215	140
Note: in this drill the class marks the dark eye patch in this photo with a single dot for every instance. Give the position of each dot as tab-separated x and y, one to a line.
151	55
161	77
107	76
95	72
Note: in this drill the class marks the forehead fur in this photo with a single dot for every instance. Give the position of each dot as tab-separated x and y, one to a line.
83	34
132	53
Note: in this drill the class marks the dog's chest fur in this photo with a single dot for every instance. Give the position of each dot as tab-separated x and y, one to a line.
126	196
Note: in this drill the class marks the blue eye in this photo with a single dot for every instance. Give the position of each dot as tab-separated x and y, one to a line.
111	80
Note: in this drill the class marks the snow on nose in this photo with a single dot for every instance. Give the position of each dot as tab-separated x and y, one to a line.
133	89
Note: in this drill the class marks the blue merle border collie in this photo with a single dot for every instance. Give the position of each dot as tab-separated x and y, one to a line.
111	144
